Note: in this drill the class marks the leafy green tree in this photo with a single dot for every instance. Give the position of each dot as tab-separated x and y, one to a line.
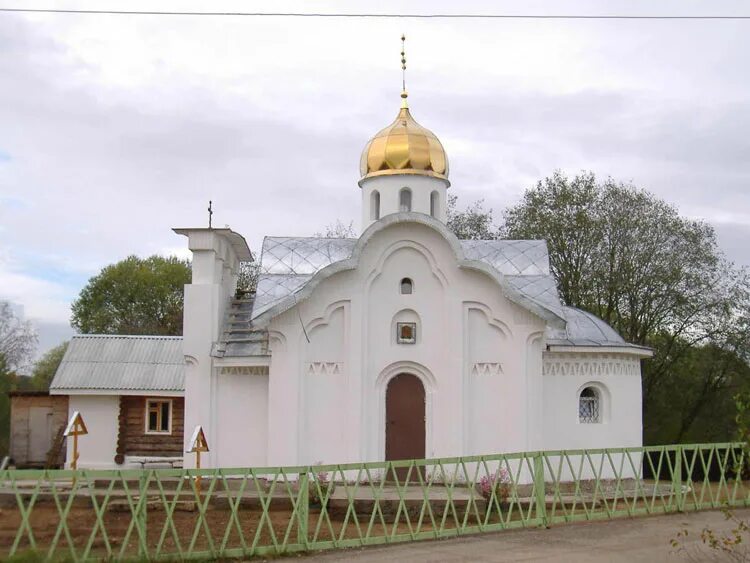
565	214
695	402
134	296
473	223
46	366
658	278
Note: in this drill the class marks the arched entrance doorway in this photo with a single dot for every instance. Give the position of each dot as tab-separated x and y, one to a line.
404	419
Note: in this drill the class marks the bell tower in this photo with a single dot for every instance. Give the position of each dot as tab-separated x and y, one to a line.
404	167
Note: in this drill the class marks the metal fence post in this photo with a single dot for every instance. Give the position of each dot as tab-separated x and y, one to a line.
303	509
677	478
539	489
142	514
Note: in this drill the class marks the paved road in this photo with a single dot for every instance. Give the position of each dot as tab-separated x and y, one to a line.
626	540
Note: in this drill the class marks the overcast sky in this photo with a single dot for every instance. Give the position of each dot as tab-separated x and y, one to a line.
114	129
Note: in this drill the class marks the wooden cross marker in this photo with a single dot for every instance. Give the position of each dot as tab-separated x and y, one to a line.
198	444
76	427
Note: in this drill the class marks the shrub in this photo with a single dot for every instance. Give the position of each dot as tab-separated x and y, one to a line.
499	482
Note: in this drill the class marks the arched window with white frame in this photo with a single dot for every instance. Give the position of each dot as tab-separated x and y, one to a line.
375	205
404	200
434	204
590	406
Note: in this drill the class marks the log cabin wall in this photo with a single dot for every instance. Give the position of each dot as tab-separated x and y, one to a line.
133	439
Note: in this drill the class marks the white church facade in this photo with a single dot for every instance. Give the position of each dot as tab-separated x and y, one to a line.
403	343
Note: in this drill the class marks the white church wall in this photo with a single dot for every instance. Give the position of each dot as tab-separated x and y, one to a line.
100	414
323	380
202	309
475	389
618	379
241	417
421	255
491	377
283	389
312	412
214	269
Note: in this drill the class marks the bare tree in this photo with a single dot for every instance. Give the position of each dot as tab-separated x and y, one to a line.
339	229
247	277
17	338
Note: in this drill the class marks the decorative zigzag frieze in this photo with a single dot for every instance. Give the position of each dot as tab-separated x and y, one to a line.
244	370
588	366
324	368
486	368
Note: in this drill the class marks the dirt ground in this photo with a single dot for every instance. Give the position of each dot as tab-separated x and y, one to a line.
187	533
187	527
629	540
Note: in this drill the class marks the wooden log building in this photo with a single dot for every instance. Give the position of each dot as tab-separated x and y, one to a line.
130	393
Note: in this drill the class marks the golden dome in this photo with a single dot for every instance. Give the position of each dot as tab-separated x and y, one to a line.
404	147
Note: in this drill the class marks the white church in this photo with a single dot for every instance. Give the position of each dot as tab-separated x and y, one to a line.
403	343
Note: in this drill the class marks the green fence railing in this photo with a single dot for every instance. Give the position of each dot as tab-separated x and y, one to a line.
243	512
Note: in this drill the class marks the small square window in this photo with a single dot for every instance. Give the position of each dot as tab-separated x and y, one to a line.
158	416
406	333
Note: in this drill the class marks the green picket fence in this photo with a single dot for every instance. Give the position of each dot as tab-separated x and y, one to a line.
243	512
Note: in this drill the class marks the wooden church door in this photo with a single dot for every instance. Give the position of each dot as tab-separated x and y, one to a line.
404	421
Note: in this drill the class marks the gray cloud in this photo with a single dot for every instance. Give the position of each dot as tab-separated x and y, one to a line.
115	130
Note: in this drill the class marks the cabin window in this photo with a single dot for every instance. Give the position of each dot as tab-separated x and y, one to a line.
406	286
406	333
375	205
589	406
158	416
404	199
434	204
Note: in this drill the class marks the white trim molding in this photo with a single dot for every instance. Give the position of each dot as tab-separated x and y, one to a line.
591	365
170	416
486	368
243	370
324	368
242	361
635	351
119	392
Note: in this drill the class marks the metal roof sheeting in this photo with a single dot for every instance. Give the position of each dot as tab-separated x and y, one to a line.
122	363
288	263
587	330
510	257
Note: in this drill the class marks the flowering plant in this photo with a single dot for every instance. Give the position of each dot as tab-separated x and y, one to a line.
322	482
499	482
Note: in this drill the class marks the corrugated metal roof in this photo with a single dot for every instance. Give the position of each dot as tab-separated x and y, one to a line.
122	363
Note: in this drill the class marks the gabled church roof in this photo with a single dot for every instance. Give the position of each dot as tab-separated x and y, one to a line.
287	263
